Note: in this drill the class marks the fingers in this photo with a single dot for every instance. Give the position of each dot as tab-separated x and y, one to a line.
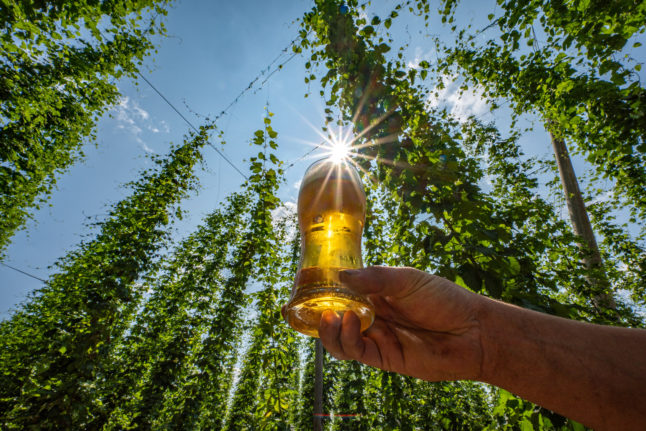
342	338
330	334
351	339
382	280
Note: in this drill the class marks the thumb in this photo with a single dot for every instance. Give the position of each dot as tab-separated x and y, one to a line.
381	280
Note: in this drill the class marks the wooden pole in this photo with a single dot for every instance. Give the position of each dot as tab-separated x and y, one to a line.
581	224
318	387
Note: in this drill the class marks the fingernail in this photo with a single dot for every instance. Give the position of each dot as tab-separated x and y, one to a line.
328	317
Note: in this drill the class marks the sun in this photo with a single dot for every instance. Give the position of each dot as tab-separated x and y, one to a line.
339	151
338	148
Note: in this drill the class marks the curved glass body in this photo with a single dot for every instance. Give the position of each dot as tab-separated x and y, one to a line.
331	215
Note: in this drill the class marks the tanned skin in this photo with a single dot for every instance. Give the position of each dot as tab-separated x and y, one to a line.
431	328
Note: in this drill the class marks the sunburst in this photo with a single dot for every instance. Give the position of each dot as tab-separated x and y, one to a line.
343	147
338	147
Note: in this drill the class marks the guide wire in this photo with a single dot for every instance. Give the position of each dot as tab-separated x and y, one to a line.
264	71
190	124
25	273
304	155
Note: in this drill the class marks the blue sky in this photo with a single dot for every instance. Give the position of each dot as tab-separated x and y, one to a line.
212	51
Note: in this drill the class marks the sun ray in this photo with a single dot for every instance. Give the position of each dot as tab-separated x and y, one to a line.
367	173
362	101
377	141
338	150
380	119
339	142
314	128
395	163
340	145
320	191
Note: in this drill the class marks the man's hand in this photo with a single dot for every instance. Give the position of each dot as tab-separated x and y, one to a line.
425	326
431	328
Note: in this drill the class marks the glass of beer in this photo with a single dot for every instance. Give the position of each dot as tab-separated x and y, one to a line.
331	215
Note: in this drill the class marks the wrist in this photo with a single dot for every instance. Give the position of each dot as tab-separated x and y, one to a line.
472	357
489	313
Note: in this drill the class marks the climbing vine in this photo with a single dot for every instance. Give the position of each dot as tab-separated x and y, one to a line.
570	75
59	63
56	347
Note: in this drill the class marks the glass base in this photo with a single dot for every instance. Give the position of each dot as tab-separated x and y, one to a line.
305	308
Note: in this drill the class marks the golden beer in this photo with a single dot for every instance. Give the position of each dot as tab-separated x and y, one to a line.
331	215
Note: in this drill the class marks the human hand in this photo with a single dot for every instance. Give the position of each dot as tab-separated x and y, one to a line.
425	326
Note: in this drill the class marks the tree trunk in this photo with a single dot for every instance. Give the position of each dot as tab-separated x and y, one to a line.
318	387
582	227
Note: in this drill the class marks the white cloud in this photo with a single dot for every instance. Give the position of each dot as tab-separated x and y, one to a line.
460	104
161	127
145	147
420	56
140	112
286	210
133	119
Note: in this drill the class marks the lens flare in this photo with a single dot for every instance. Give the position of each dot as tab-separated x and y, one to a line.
339	151
338	147
345	147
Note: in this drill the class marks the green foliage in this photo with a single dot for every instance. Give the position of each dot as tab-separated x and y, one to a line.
126	359
572	79
606	121
266	391
626	257
350	397
513	413
55	349
304	412
59	63
160	352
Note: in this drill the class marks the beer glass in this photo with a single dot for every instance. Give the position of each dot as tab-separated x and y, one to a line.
331	215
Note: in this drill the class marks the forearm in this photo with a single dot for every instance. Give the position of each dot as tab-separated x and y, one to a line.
593	374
